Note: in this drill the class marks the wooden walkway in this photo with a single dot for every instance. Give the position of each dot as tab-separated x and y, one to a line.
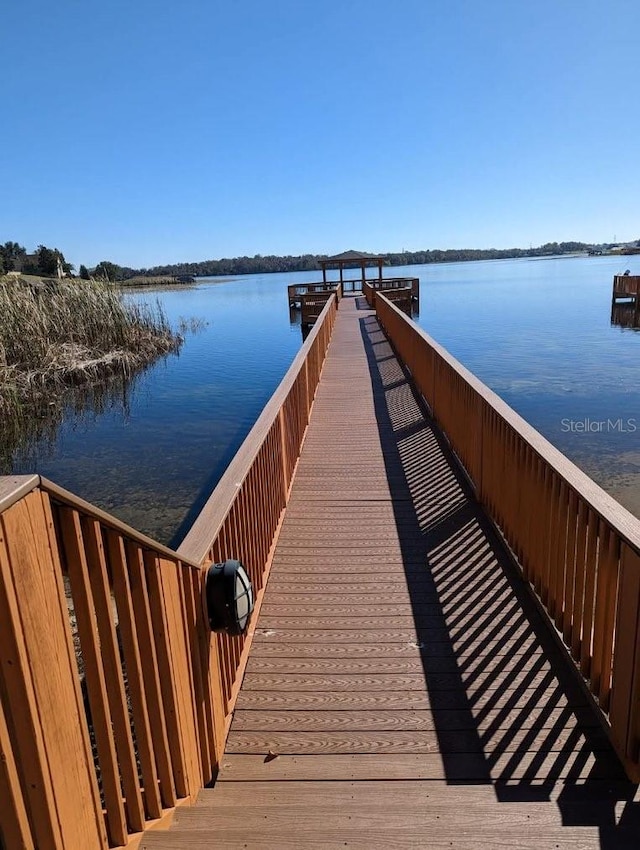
402	690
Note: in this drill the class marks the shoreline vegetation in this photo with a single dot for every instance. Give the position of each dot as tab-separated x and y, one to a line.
259	264
58	336
150	281
51	262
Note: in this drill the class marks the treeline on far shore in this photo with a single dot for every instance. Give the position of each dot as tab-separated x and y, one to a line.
260	264
51	262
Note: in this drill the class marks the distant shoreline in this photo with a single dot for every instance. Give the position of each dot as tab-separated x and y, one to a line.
161	280
274	264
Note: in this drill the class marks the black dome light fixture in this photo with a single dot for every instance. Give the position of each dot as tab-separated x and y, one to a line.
229	597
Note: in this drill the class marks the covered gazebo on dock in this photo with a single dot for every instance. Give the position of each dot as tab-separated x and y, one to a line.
350	260
311	297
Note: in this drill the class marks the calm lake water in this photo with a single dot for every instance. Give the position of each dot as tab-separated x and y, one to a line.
537	331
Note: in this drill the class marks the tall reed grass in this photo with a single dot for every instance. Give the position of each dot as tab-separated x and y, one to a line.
56	334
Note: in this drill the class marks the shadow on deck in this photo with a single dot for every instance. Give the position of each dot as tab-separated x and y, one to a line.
508	709
403	689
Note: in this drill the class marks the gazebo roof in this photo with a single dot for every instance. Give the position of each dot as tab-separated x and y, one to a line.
351	257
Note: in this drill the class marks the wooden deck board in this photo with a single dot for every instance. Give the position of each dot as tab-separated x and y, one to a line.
525	699
473	766
434	834
400	670
439	740
375	664
332	720
409	794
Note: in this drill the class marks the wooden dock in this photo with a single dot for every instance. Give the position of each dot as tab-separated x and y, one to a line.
445	652
310	298
402	689
626	288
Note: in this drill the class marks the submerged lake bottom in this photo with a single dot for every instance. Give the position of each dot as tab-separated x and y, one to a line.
540	333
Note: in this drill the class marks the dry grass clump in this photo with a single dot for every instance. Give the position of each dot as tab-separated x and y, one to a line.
55	334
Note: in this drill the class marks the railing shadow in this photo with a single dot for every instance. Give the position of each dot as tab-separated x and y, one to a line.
509	711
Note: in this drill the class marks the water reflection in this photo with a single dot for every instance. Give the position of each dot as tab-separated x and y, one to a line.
626	315
625	301
30	438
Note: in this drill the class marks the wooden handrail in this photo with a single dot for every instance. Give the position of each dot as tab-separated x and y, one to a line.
369	293
130	657
395	289
14	487
116	698
198	542
412	283
577	546
296	290
64	497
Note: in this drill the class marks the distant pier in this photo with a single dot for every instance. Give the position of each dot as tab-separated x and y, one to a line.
626	287
310	298
625	301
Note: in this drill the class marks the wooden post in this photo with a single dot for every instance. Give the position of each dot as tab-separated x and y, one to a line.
15	823
625	691
285	460
39	681
95	680
324	272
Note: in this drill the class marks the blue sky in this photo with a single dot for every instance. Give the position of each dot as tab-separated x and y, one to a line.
154	132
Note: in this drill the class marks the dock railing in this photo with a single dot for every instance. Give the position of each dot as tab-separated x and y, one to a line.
626	286
370	294
115	699
391	283
296	290
400	295
351	286
577	546
312	304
